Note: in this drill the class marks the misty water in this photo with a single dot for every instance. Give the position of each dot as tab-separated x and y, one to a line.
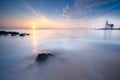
78	55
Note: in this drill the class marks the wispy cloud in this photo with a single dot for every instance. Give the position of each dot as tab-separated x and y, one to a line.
89	8
30	8
35	12
39	18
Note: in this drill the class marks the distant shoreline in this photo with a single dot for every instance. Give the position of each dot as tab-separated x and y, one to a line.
58	29
107	29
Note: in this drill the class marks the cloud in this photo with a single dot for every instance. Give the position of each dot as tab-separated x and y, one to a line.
89	8
35	12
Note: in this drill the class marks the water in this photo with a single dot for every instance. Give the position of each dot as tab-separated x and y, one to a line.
79	55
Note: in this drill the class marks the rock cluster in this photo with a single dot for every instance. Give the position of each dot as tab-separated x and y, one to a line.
13	33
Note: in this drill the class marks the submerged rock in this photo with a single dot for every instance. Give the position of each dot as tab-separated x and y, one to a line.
43	57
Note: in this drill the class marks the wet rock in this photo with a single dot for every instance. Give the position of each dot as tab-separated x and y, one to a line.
14	33
4	33
27	34
7	32
43	57
23	34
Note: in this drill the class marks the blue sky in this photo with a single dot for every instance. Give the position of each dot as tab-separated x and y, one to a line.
58	13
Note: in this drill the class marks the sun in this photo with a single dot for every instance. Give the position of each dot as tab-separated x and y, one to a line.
33	27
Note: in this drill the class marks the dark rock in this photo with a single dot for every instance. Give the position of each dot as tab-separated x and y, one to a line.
7	32
43	57
23	34
27	34
4	33
14	33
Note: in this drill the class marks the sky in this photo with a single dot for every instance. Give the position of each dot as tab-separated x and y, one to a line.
58	13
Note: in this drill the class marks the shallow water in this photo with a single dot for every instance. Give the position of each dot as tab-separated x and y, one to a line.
79	55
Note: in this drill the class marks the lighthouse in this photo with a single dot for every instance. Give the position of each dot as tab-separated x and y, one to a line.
108	26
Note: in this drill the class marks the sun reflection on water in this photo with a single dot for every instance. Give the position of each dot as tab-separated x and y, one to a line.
34	41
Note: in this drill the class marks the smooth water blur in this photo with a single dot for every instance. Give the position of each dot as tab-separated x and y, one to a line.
79	55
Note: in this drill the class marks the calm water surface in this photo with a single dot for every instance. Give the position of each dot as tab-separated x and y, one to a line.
79	55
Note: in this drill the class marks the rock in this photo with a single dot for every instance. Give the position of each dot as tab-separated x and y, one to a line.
27	34
7	32
14	33
4	33
43	57
23	34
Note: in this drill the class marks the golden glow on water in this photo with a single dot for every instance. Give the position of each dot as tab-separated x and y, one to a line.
34	38
34	41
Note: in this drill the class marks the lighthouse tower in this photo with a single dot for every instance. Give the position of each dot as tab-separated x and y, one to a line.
106	24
